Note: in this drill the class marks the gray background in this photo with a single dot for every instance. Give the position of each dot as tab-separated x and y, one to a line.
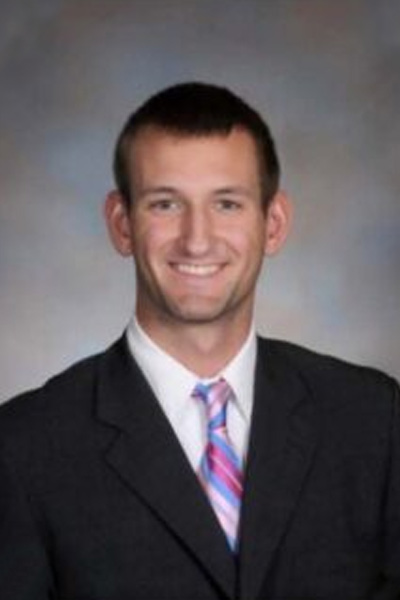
327	77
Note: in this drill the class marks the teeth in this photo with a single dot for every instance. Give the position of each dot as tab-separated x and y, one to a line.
200	270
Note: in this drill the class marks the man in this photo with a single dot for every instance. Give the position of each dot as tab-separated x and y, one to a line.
193	460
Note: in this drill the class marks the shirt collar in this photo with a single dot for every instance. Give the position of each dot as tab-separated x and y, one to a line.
171	379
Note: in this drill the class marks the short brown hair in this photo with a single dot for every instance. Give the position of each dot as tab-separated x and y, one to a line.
198	109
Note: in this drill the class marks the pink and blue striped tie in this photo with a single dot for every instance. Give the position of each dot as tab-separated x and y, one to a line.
220	471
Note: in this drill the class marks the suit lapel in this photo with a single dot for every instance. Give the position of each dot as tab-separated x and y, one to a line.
149	458
282	443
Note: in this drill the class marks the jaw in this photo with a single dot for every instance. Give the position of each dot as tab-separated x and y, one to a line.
195	304
178	293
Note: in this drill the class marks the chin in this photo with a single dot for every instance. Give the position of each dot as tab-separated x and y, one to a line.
196	313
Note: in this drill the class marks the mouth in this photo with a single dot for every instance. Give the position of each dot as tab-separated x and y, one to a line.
206	270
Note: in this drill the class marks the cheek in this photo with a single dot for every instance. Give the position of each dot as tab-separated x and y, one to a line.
249	245
152	242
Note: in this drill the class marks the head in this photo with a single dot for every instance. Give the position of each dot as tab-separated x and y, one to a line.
197	206
197	110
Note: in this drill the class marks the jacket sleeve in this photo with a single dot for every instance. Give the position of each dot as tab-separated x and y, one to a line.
389	588
24	570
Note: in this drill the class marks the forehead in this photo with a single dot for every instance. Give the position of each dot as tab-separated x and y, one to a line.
154	149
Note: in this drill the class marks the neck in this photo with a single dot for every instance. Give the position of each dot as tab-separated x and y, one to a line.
205	349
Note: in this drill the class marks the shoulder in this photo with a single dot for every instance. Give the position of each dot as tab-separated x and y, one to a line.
65	398
326	374
77	376
353	403
311	362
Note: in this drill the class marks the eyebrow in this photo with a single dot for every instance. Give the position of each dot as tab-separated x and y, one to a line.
153	191
234	190
227	190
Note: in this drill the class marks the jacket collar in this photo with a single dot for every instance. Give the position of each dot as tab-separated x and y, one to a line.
282	444
146	454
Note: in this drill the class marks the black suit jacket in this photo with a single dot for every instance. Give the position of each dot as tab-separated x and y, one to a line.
98	501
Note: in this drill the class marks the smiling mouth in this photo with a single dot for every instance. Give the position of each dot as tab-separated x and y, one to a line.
197	270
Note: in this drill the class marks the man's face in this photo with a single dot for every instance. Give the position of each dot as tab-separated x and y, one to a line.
196	228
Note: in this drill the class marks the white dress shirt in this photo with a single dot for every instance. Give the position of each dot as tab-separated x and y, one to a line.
173	385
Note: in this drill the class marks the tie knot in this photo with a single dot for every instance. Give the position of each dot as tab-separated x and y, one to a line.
215	397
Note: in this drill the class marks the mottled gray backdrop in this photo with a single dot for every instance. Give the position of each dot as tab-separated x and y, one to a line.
325	74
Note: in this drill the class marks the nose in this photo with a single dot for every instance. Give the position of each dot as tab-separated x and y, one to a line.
196	231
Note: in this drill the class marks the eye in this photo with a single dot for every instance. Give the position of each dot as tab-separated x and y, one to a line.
228	204
164	205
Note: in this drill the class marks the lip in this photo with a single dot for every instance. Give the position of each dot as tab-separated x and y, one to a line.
197	270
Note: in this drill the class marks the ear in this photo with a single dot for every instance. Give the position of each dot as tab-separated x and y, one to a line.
277	223
116	214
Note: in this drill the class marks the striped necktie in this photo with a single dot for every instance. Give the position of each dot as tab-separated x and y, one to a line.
220	470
